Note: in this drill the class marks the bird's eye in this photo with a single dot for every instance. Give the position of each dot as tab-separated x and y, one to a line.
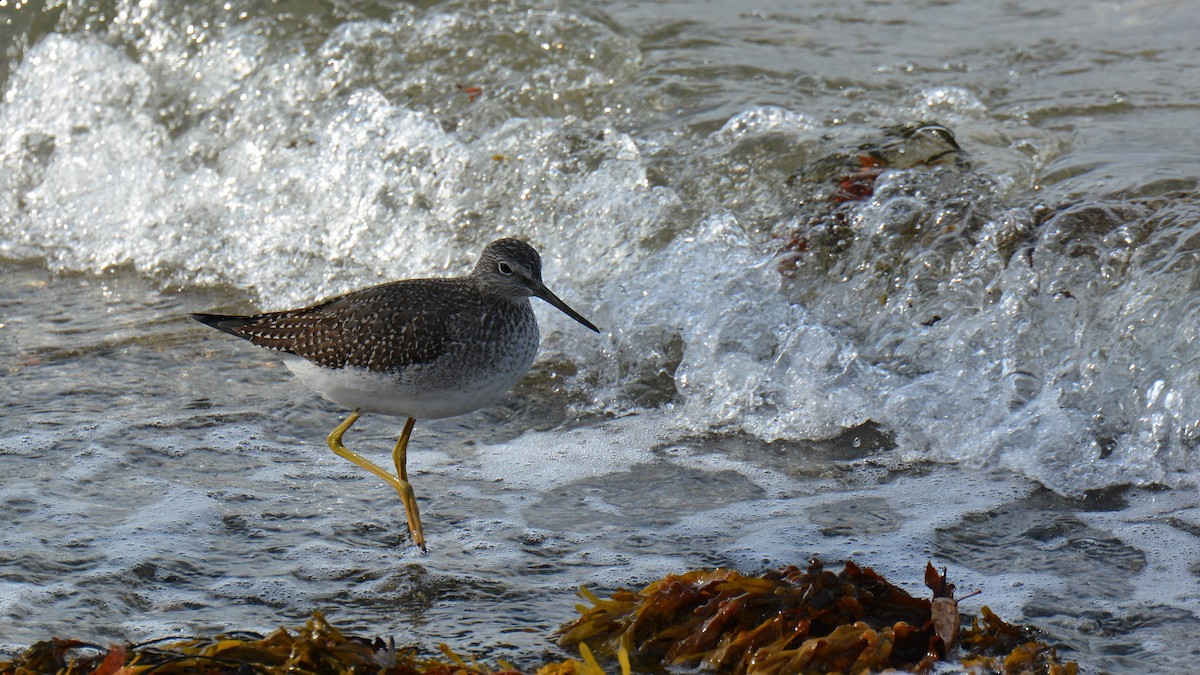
504	268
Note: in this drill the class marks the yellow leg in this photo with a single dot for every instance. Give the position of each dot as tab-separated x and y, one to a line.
401	484
400	457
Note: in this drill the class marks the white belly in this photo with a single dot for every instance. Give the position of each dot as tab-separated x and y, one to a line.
427	391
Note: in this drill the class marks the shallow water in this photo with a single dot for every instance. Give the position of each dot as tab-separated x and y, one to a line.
820	336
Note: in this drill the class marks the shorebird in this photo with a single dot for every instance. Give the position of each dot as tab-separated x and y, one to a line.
418	348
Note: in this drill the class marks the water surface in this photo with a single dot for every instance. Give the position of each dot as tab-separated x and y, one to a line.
822	333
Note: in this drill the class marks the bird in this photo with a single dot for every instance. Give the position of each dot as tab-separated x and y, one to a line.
424	348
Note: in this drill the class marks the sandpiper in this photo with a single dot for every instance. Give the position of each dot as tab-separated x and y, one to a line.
418	348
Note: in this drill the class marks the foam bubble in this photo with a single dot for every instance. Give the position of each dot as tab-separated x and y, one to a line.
952	99
766	119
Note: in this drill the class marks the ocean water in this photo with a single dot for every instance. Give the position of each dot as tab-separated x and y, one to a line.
825	331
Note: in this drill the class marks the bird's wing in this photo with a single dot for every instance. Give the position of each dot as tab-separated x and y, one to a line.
381	328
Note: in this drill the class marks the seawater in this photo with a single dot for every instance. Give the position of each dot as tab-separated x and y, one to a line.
990	363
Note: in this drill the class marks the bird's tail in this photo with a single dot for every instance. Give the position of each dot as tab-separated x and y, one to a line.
228	323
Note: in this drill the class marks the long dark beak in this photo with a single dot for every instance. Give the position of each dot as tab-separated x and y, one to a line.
544	293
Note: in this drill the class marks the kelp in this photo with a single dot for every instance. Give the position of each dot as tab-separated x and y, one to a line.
786	621
803	621
316	648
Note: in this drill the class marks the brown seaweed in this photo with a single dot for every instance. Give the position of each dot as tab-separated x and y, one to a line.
800	621
789	620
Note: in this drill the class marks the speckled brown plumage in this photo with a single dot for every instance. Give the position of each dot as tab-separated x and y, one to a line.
421	348
382	328
389	327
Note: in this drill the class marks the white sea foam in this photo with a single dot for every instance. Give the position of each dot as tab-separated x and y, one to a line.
545	461
983	333
371	190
